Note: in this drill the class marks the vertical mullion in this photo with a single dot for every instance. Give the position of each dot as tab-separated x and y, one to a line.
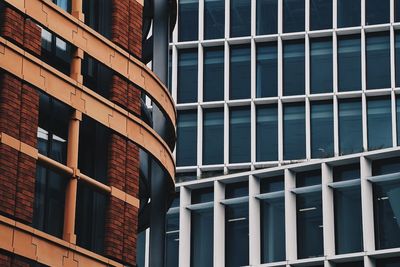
226	107
335	99
184	227
367	204
253	106
328	211
290	216
254	222
307	94
393	80
363	87
219	224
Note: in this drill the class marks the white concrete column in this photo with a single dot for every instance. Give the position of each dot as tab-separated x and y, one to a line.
290	216
184	227
254	222
328	211
367	204
219	224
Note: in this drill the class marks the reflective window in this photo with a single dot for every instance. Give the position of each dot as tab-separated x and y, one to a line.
239	134
396	10
213	74
186	144
308	178
398	119
267	70
240	13
378	60
321	129
235	190
214	19
346	172
377	11
379	123
293	15
213	136
187	76
64	4
97	76
350	264
350	126
386	166
293	68
320	14
185	176
349	63
267	17
172	239
348	13
391	262
321	65
272	213
294	132
188	20
98	16
240	72
267	132
397	57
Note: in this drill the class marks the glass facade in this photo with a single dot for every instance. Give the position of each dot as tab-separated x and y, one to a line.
378	60
320	14
267	70
379	123
240	72
294	132
267	133
213	136
321	129
186	144
214	19
377	12
188	22
350	126
187	76
293	15
213	74
349	63
321	66
239	134
267	17
293	68
348	13
240	15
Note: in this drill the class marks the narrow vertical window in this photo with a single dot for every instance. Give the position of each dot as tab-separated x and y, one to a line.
321	129
349	63
98	16
214	19
294	132
398	119
350	126
379	123
213	74
397	57
240	72
187	76
377	11
293	68
172	235
267	133
293	15
188	23
213	136
396	10
267	17
64	4
239	134
320	14
321	65
348	13
267	70
240	13
186	145
378	60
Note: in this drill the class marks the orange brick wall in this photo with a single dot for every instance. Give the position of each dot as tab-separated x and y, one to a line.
12	261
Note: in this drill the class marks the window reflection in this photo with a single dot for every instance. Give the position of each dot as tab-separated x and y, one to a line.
240	15
377	11
267	70
214	19
293	15
294	138
239	134
213	136
293	68
213	74
321	65
187	76
267	132
350	126
320	14
267	17
379	123
349	63
240	72
378	60
186	145
348	13
321	129
188	20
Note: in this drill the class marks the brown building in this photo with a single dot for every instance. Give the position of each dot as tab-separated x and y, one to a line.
76	137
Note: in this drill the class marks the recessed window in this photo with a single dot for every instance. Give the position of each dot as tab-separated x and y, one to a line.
186	145
240	15
350	126
187	76
397	57
213	136
391	262
321	129
294	131
239	134
348	13
349	63
267	70
240	72
293	15
267	132
98	16
378	60
293	67
398	119
320	14
377	11
379	122
188	23
172	239
214	19
321	65
213	74
267	17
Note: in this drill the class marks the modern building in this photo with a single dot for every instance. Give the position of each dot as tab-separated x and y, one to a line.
85	164
288	132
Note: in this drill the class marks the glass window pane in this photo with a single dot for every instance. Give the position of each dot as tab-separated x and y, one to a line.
213	136
386	166
187	76
392	262
213	74
349	63
271	184
239	134
348	223
267	70
350	264
240	12
186	145
240	72
236	235
348	13
350	126
293	68
309	225
387	214
321	65
346	172
201	238
378	60
64	4
294	132
320	14
267	17
321	129
267	132
397	57
396	10
202	195
293	15
377	11
172	240
188	20
234	190
398	119
379	123
214	19
308	178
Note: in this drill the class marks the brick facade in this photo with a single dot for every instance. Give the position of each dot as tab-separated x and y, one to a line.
7	260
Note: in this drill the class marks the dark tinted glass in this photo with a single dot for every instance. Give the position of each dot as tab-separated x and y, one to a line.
213	74
213	136
214	19
378	60
309	225
202	195
346	172
387	214
236	235
349	63
377	11
397	10
201	238
98	15
350	126
240	189
271	184
187	76
308	178
320	14
293	15
350	264
239	134
393	262
240	12
398	118
188	20
267	70
348	13
267	17
397	57
185	176
97	76
56	52
186	145
385	166
294	132
172	240
321	65
267	132
240	72
64	4
379	123
321	129
348	223
293	68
